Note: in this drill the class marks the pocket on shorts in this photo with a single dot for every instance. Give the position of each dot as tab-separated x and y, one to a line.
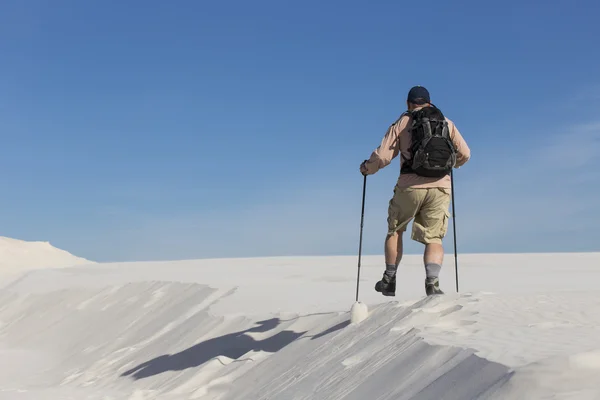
445	223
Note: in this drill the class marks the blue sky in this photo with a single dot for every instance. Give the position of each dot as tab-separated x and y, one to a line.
148	130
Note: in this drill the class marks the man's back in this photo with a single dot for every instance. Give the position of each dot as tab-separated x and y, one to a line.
398	139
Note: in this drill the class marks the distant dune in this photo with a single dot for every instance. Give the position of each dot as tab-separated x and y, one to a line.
18	255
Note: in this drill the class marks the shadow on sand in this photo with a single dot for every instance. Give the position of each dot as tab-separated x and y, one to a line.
233	345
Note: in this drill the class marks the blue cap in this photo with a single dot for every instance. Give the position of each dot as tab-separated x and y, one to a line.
418	95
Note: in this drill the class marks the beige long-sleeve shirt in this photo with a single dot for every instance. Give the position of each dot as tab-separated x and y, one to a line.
397	140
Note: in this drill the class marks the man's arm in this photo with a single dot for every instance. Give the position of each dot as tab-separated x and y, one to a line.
387	150
463	153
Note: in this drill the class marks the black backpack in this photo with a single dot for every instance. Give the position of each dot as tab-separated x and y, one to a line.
432	151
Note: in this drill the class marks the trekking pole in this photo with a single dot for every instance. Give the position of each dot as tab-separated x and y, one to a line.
454	228
362	218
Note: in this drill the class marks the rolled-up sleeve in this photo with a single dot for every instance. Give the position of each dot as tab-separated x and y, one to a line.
387	150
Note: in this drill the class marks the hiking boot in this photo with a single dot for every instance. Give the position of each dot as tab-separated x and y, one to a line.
432	286
386	286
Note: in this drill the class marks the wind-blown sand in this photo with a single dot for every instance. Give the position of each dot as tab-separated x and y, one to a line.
522	327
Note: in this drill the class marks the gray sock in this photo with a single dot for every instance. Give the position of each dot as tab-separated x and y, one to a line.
390	270
432	270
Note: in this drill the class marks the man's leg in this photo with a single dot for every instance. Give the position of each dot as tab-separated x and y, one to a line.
433	257
431	224
402	209
393	252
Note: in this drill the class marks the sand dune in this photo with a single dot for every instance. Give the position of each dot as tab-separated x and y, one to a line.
278	328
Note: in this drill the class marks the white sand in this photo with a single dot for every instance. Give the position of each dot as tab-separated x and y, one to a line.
523	327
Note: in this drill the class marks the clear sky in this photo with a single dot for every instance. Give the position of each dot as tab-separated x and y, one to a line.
147	130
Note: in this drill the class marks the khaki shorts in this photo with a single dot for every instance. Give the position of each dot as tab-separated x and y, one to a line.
428	207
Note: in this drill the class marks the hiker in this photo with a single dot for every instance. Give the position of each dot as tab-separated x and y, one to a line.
423	189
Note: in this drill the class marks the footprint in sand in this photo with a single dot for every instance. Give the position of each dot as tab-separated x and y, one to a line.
352	361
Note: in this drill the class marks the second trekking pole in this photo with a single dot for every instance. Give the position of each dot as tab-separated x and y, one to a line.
454	228
360	311
362	220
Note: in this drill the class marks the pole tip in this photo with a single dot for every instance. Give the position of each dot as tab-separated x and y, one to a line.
358	313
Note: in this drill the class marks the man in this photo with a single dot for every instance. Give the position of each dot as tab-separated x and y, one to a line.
422	192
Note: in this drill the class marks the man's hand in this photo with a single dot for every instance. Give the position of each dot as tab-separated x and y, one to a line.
363	168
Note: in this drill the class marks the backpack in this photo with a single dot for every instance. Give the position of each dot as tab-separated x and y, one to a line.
432	151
